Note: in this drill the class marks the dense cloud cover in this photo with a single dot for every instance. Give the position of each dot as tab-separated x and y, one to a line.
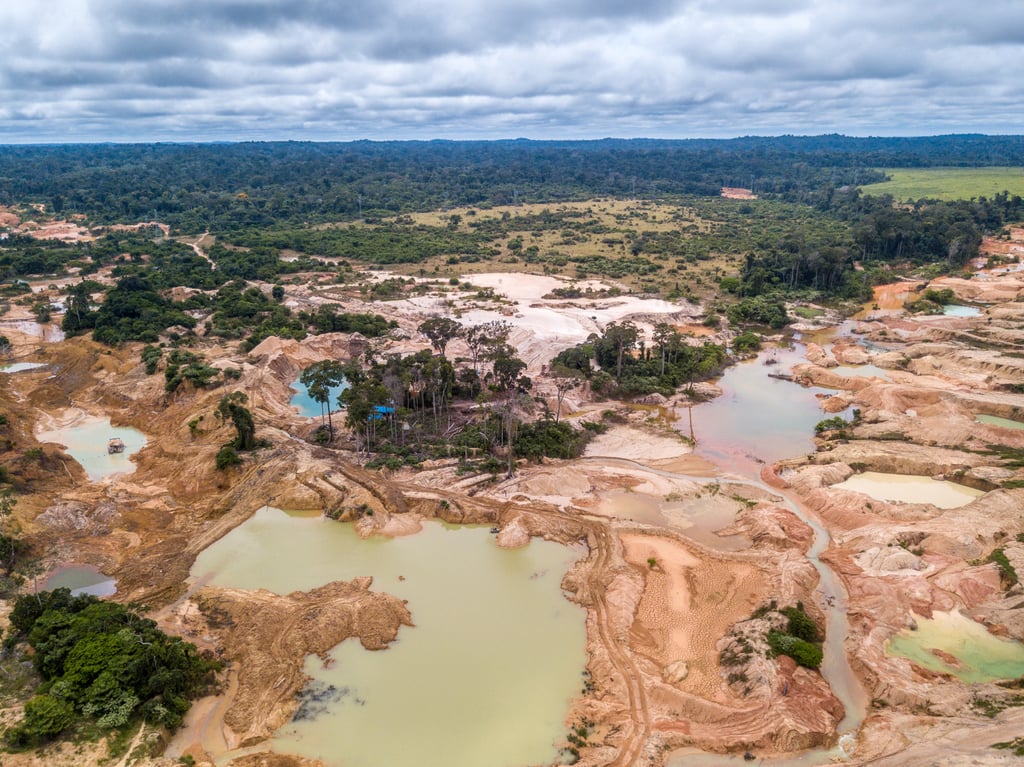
143	70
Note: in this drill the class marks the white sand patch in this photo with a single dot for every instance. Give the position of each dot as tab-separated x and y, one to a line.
636	444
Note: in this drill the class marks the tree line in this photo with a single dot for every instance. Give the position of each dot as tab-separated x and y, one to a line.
225	187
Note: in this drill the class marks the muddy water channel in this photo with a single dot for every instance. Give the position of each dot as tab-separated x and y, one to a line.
484	677
760	418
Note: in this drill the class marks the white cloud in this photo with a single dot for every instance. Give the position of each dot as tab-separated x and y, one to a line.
129	69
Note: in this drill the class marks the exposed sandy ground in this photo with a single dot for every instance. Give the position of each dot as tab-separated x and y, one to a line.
652	633
737	193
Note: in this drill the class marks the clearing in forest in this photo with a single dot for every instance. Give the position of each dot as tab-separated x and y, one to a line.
949	183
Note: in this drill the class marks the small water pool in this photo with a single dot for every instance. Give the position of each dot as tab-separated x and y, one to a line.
309	407
81	579
910	488
952	643
20	367
994	420
697	518
86	441
483	678
957	310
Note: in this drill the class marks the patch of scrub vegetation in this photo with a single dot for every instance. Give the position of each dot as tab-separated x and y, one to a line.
1015	746
667	365
993	704
1007	573
769	632
835	427
101	668
931	301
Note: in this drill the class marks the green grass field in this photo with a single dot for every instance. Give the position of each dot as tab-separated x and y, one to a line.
949	183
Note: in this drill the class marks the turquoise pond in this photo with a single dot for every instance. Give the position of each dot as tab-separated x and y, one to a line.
309	407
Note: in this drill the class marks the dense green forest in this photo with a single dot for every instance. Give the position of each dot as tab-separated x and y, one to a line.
223	187
100	663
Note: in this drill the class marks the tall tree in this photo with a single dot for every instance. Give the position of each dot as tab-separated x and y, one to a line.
440	331
232	408
664	337
623	337
508	380
319	378
481	338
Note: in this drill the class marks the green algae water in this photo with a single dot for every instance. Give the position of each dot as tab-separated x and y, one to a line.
994	420
979	656
484	677
81	579
86	442
909	488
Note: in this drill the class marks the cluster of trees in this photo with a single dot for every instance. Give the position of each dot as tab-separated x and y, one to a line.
135	310
410	407
628	366
800	639
876	235
102	663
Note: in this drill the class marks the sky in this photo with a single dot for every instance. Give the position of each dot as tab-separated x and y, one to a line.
231	70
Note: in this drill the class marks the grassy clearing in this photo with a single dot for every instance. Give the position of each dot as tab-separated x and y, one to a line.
949	183
606	231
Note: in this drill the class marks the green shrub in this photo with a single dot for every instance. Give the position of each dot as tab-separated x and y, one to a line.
151	358
836	423
1007	573
46	717
746	342
227	456
800	625
804	653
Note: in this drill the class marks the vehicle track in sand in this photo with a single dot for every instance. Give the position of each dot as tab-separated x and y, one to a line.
640	719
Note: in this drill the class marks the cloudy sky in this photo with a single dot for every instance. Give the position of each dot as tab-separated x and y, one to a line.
150	70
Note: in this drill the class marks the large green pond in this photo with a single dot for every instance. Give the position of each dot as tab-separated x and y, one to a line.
483	678
979	656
